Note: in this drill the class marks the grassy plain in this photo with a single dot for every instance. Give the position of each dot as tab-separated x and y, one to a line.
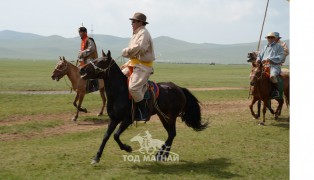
38	141
26	75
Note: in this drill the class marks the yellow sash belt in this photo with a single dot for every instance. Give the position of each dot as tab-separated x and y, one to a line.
135	61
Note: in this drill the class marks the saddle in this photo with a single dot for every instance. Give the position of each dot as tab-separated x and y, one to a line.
266	70
152	88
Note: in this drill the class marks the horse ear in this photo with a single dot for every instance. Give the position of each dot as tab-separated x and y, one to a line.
63	58
109	53
103	53
60	58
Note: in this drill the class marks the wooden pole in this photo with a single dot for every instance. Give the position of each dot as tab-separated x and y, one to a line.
260	36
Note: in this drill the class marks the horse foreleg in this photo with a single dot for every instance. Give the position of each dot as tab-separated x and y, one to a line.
111	127
124	124
264	112
259	104
170	126
78	108
103	98
255	116
75	100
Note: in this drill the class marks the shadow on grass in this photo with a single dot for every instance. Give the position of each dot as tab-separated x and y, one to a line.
281	125
283	119
92	121
213	167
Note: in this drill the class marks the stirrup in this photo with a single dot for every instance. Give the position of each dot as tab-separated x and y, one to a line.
139	116
275	94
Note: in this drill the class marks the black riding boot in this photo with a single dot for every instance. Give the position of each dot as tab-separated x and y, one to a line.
275	93
142	111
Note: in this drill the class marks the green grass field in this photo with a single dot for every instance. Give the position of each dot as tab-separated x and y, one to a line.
21	75
38	140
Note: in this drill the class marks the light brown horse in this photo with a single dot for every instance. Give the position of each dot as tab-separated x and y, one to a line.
263	87
79	85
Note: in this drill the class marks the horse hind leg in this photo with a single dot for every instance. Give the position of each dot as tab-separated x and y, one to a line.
278	110
170	126
269	107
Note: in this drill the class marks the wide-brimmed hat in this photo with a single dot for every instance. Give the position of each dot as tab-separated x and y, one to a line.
277	35
139	17
270	34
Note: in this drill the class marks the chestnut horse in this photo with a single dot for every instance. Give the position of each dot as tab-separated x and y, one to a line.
285	77
173	101
79	85
263	87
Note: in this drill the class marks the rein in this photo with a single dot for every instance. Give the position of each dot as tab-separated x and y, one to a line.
62	70
99	70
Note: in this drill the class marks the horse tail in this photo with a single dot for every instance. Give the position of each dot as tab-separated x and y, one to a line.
287	96
286	73
191	113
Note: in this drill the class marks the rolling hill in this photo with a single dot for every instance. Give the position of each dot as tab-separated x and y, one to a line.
19	45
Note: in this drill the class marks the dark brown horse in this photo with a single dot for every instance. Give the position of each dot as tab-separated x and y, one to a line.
263	87
173	101
79	85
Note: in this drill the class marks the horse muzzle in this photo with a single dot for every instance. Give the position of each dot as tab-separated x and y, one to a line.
55	78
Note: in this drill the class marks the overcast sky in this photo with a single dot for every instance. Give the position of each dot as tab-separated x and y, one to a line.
198	21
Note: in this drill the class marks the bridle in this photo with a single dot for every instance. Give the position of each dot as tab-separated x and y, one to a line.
61	70
100	70
63	73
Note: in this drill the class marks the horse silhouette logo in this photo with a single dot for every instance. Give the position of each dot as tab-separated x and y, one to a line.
147	143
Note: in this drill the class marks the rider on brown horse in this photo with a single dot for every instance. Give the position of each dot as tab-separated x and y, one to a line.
88	52
272	55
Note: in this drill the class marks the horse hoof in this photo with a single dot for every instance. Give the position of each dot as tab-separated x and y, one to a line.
261	124
100	114
74	119
127	148
95	161
85	110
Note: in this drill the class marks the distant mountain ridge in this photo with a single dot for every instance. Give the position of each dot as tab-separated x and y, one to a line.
19	45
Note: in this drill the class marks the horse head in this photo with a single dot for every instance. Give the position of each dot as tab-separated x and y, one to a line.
97	68
60	69
256	72
252	56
